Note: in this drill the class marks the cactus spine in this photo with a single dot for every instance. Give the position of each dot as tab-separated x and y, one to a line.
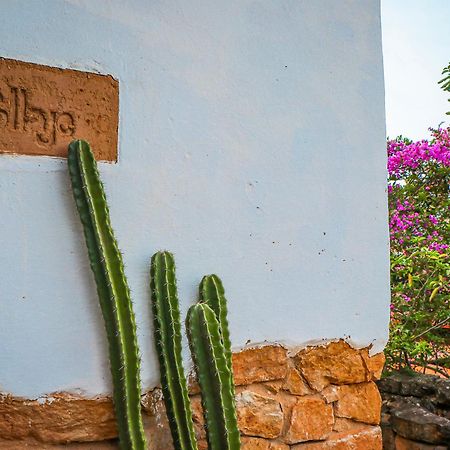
214	376
166	315
113	292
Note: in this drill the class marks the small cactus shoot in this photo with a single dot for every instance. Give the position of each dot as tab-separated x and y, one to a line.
113	292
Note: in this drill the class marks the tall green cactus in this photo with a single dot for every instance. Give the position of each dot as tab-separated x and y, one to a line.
113	292
214	376
212	293
166	315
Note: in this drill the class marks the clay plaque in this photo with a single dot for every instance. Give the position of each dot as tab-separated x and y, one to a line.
42	109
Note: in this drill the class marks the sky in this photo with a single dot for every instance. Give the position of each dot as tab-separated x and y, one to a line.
416	47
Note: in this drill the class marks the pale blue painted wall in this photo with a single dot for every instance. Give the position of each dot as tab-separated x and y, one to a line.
252	145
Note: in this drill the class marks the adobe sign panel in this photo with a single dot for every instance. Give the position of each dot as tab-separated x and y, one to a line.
42	109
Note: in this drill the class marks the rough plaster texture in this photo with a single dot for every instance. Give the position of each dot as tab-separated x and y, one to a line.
251	144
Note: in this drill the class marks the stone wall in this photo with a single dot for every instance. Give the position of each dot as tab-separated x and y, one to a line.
415	412
322	397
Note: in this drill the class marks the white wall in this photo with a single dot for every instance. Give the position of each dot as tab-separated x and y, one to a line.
252	145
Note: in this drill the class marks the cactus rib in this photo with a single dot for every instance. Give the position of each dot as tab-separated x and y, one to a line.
113	292
212	293
214	377
166	315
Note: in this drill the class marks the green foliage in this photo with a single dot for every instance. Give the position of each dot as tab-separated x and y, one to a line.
113	292
420	300
419	206
167	325
214	376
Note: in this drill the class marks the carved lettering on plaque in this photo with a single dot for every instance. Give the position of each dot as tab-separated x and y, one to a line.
46	126
42	109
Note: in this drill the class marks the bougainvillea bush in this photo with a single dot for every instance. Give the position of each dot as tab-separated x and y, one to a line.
419	221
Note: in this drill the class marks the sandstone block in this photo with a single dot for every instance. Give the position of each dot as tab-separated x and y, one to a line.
58	418
255	365
336	363
34	445
278	446
374	364
250	443
258	415
272	386
311	419
341	424
295	384
367	439
331	393
360	402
